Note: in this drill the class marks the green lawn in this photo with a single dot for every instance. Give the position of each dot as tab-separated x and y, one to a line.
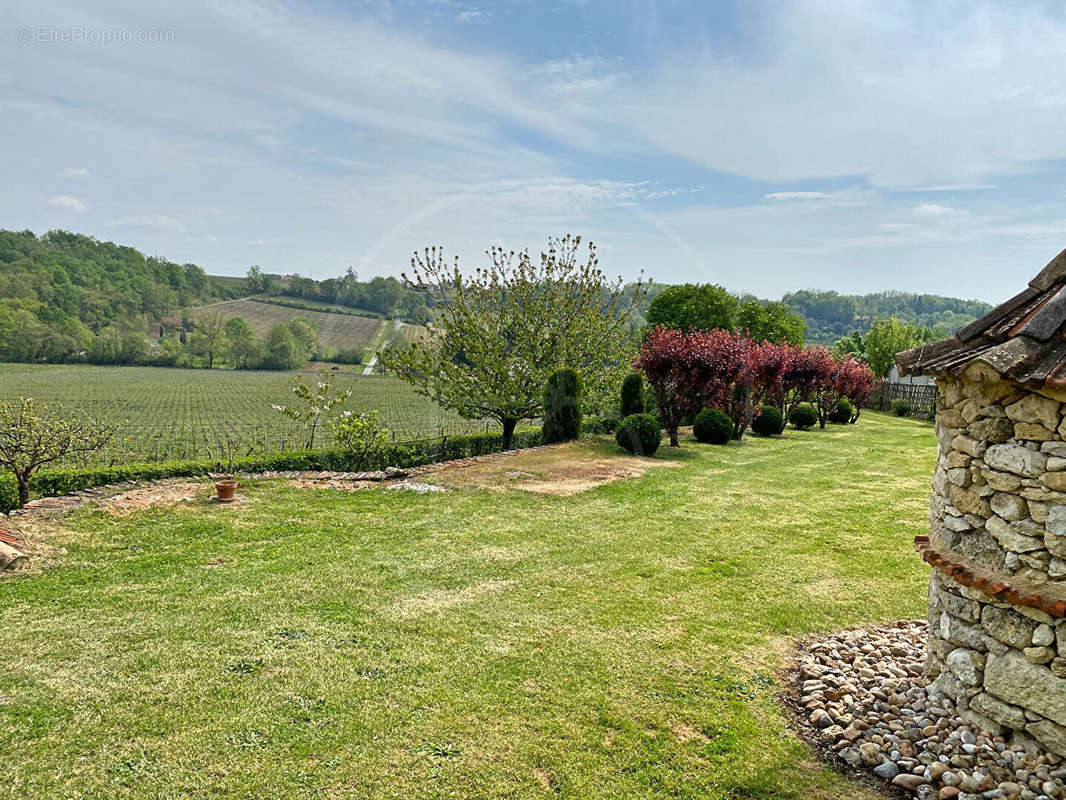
623	642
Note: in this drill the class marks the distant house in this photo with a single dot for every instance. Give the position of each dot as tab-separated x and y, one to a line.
910	380
169	326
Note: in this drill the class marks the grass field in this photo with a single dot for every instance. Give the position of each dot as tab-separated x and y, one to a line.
184	413
334	330
624	642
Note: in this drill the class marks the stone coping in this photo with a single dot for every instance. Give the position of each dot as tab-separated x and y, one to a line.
967	572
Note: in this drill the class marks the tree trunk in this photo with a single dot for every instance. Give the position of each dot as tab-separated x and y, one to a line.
508	432
23	482
10	558
673	436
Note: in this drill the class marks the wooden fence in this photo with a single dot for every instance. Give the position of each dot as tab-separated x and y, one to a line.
921	397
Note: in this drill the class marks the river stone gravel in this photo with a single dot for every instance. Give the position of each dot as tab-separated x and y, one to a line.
864	697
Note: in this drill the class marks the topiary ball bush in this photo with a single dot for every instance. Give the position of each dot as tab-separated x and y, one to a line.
900	407
769	422
842	413
803	416
633	395
713	427
639	434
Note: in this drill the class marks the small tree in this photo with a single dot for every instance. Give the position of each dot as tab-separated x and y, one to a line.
317	400
209	337
857	384
827	383
361	435
29	440
675	374
633	395
562	407
498	334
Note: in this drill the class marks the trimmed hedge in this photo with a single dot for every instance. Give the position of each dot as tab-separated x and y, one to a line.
53	482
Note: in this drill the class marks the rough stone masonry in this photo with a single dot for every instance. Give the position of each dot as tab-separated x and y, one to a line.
999	500
998	512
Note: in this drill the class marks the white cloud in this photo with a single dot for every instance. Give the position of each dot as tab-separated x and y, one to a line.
928	209
74	172
159	223
797	196
473	15
269	241
66	203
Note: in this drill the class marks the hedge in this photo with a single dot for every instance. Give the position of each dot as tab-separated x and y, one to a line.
54	482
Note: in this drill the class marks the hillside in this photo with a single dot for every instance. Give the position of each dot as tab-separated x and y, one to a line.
334	330
830	315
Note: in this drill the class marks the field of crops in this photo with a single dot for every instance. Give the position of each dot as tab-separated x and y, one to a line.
180	413
334	330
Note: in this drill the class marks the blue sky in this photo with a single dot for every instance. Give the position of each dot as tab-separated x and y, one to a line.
767	146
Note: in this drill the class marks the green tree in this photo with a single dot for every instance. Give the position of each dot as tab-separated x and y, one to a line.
306	335
282	351
258	281
243	347
771	321
29	440
693	307
890	336
500	333
209	337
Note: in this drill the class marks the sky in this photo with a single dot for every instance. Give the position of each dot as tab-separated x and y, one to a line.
767	146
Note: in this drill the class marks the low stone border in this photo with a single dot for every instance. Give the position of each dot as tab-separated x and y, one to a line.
863	699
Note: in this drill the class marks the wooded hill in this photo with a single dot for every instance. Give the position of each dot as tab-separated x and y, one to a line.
60	289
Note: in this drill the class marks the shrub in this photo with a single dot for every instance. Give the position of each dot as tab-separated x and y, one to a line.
803	416
362	436
713	427
639	434
562	406
842	413
596	426
633	395
901	407
770	422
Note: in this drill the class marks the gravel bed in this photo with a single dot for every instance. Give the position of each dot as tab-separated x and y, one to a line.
863	697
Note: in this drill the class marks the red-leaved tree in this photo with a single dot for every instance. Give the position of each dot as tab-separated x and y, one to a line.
725	358
769	363
826	388
801	376
857	382
669	365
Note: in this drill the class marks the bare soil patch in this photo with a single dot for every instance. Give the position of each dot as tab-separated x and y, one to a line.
162	494
560	470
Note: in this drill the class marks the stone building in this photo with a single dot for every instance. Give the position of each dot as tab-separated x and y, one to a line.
997	540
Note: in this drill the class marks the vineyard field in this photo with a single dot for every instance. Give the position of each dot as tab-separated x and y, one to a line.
191	414
334	330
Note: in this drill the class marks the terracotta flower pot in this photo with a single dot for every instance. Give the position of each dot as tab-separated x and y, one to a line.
226	489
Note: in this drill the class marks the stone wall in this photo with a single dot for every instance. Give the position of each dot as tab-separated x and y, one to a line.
999	500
